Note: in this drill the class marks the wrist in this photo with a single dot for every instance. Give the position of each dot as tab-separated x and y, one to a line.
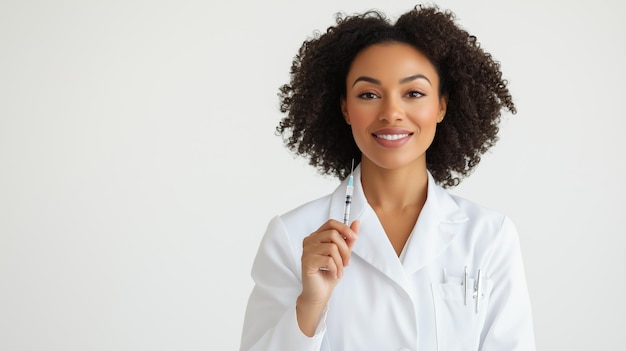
308	314
311	302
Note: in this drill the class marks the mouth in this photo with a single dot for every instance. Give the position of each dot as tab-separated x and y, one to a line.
392	136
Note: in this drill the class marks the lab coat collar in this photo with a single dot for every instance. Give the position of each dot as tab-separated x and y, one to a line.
438	223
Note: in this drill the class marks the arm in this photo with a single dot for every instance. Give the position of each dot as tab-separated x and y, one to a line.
287	308
509	324
270	321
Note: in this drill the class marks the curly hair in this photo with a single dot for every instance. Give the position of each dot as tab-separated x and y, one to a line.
314	126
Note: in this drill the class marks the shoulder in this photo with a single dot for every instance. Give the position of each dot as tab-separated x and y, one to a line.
304	219
490	223
476	211
487	232
284	234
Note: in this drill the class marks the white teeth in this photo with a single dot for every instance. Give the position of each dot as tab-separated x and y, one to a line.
391	136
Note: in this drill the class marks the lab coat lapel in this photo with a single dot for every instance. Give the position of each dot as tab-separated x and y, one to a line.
438	223
372	246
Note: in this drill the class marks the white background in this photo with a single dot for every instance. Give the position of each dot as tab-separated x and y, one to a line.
139	166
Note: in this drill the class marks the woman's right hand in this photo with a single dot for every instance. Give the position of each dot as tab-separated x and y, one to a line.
326	252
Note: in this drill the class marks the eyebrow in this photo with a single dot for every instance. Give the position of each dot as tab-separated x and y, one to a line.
402	81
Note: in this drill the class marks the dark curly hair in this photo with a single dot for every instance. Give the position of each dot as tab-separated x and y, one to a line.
314	126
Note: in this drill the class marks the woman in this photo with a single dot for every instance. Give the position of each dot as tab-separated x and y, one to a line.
414	104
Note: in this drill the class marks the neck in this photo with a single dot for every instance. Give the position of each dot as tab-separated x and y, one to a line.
396	189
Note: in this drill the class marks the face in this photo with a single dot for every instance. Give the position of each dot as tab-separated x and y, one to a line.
392	104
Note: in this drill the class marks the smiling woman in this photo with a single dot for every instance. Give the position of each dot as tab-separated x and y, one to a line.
414	104
397	106
468	77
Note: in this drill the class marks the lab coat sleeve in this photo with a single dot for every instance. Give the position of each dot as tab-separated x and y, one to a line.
509	324
270	322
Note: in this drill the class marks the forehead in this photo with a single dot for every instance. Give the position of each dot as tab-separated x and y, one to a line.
393	61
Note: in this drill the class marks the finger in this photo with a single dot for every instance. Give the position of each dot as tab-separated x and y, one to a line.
313	263
333	251
334	232
356	224
335	238
343	229
325	236
327	265
345	237
330	245
338	260
354	228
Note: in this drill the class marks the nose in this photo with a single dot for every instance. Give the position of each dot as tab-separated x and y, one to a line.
391	110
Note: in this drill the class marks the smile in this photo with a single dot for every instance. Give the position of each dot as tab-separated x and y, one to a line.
391	136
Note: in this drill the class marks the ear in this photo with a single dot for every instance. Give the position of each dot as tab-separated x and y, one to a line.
344	110
443	106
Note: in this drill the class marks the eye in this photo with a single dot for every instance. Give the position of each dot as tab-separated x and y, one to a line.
414	94
367	96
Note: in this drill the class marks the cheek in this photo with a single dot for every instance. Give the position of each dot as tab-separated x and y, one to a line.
360	115
427	114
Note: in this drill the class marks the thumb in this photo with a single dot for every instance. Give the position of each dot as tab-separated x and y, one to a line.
355	226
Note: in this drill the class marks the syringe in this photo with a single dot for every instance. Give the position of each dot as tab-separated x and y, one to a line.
349	190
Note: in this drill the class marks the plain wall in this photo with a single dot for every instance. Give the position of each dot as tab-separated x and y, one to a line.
139	166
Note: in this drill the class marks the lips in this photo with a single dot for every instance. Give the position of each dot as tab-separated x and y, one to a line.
392	137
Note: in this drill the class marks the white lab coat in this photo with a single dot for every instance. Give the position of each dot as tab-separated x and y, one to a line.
384	302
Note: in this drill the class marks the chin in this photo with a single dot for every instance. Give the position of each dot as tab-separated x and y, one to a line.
396	163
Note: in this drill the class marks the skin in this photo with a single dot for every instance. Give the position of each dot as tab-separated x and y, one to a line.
391	88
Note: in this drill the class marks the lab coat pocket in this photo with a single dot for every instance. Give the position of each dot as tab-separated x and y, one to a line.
459	318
